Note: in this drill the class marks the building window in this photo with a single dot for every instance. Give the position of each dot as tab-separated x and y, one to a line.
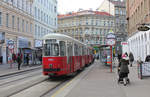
0	18
7	19
47	19
42	30
104	23
12	1
31	9
55	9
116	11
26	6
22	25
36	31
18	27
18	3
35	12
13	21
26	26
44	17
23	4
55	22
38	13
30	27
39	32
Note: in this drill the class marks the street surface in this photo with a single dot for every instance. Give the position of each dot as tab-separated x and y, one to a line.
95	81
99	82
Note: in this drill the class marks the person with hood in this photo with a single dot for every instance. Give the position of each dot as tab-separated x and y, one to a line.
131	59
123	67
147	58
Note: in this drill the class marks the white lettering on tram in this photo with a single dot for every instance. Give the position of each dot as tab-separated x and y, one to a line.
50	59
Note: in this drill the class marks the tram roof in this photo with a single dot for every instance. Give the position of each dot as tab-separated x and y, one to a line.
61	37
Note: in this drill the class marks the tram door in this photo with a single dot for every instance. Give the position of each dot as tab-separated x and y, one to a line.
69	54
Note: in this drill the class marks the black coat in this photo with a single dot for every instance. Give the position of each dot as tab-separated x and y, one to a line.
147	58
19	60
124	66
131	58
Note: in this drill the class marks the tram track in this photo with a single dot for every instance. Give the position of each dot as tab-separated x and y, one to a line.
58	86
44	87
14	88
19	79
39	86
16	92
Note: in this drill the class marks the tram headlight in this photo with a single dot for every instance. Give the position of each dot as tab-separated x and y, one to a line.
50	65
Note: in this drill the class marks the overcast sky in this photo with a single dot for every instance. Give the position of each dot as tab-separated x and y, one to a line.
73	5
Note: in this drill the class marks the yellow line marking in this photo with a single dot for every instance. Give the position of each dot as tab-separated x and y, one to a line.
61	89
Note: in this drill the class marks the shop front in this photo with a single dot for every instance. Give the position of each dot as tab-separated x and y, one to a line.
2	53
24	48
38	52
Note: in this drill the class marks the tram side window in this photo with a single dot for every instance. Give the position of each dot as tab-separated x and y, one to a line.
62	48
51	49
82	50
76	49
70	53
85	51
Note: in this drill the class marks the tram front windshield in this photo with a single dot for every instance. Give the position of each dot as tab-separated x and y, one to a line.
51	49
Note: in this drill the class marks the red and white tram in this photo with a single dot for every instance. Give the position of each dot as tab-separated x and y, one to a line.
63	55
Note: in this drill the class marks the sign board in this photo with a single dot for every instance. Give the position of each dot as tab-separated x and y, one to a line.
23	42
143	28
111	42
10	44
110	35
125	47
124	43
38	43
146	69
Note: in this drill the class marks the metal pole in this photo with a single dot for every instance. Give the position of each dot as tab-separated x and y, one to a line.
110	58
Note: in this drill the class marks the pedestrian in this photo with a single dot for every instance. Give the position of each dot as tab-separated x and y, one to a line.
19	60
119	57
147	58
123	69
131	59
27	59
14	57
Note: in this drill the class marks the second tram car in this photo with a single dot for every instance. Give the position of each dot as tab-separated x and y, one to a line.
63	55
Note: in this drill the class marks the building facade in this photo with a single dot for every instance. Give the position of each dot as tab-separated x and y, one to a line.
117	8
16	28
45	22
90	27
137	13
45	15
139	41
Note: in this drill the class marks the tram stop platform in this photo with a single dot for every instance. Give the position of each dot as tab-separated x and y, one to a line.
98	81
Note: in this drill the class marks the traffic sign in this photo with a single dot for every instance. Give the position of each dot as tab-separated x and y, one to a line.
111	42
111	36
